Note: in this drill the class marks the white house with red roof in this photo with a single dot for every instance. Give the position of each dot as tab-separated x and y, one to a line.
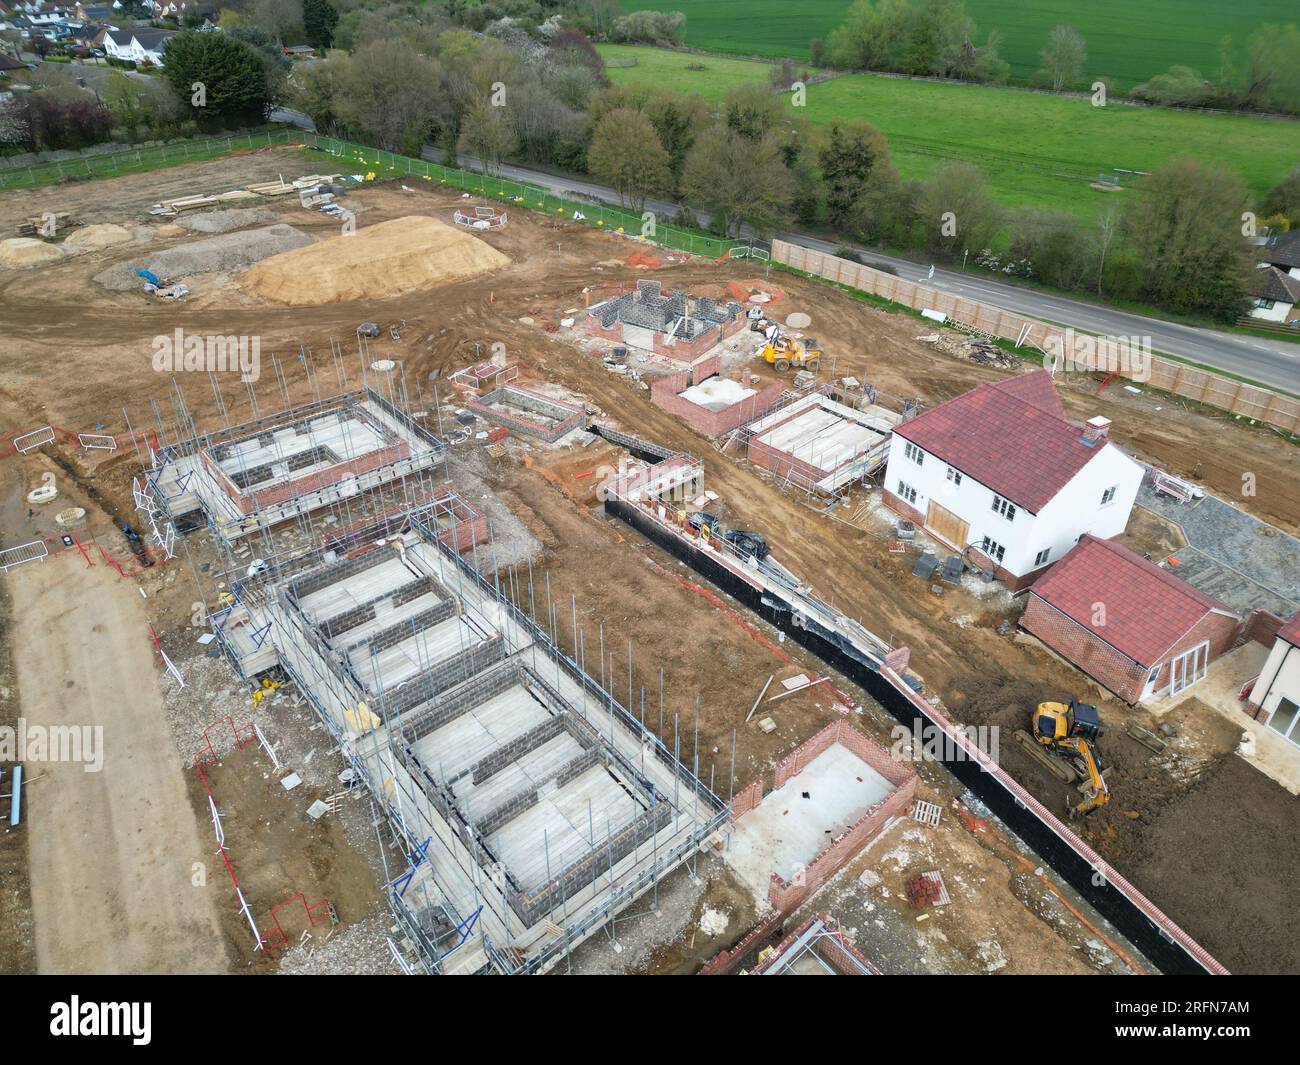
1001	475
1275	696
1133	627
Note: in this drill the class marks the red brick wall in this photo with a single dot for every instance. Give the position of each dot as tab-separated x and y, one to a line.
711	423
1219	630
747	797
1095	657
1262	627
786	896
1109	667
256	500
727	960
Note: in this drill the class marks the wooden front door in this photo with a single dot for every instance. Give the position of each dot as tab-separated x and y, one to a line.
947	526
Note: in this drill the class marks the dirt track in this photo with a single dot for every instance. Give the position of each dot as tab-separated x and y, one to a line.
112	854
79	355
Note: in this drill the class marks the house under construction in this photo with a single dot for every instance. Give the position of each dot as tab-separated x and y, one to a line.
532	806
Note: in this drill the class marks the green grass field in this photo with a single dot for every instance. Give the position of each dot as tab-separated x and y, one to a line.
1127	41
1038	150
659	66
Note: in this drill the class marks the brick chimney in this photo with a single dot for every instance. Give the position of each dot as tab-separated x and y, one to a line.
1096	430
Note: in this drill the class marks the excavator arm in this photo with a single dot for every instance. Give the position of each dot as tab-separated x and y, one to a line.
1099	793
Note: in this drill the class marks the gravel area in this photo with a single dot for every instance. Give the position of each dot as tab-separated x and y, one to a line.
230	251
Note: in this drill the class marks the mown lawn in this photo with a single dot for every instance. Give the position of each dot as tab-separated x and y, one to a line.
1127	41
1038	150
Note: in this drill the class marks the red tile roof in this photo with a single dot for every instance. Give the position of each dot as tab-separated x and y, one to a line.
1290	631
1146	608
1011	436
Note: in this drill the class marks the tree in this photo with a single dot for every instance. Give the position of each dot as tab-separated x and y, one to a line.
1063	58
754	111
232	76
486	132
625	151
957	211
1283	199
852	154
1182	233
739	180
318	21
282	19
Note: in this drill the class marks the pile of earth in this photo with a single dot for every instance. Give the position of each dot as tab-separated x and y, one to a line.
220	254
387	259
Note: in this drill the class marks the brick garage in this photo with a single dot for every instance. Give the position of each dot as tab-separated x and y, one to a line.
1130	625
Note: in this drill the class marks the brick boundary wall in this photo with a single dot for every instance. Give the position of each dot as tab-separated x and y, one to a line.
1262	626
725	961
1251	401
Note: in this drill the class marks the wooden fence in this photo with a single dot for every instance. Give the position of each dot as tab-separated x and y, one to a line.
1250	401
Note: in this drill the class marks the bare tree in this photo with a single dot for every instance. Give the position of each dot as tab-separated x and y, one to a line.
1063	57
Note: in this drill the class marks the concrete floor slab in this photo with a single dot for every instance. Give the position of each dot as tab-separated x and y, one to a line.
785	831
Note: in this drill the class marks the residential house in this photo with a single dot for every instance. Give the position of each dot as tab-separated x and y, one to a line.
137	45
1274	698
1002	476
1276	285
1133	627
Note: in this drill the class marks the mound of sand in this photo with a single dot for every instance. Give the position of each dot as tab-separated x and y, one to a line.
230	251
387	259
93	238
169	229
225	221
18	253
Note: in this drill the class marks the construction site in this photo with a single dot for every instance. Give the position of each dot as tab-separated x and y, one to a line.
524	608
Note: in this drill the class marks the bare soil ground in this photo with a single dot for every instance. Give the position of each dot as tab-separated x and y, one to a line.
78	356
112	853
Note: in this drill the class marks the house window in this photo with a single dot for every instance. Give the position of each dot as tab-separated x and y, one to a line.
906	491
1283	720
993	549
1042	557
1005	509
914	453
1263	304
1108	496
954	476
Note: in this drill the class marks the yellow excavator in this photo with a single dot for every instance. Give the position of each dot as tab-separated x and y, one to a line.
1063	740
782	352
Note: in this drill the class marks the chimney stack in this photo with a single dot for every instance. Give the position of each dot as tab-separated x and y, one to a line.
1096	430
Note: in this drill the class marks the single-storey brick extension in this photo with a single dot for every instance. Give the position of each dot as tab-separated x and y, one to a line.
1001	475
1133	627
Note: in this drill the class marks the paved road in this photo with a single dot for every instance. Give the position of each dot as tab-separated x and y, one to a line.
1271	362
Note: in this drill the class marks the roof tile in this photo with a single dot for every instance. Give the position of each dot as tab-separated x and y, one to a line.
1011	436
1145	608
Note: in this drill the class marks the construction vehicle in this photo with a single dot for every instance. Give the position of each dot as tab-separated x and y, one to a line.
782	352
747	544
1063	740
